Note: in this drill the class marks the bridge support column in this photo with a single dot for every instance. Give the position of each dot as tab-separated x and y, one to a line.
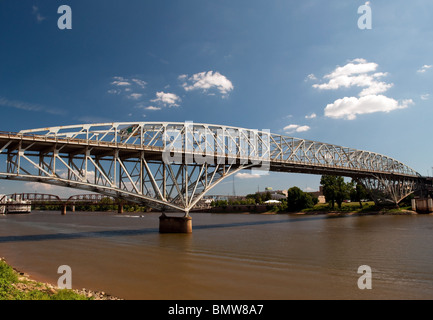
73	208
422	205
175	224
120	208
64	209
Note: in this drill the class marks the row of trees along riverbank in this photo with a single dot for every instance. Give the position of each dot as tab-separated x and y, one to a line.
339	194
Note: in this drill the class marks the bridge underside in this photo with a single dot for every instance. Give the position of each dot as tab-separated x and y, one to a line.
383	188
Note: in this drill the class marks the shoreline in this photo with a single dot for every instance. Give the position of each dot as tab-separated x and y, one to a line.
367	213
332	213
26	284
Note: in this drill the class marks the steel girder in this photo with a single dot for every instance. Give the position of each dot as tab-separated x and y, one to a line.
172	165
384	189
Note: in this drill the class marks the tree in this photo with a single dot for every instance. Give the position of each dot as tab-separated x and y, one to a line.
335	189
260	197
358	193
298	199
329	189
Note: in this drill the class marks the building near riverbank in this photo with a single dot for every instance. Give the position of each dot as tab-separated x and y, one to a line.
319	195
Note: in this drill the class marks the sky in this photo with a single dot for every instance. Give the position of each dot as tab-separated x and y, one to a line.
310	69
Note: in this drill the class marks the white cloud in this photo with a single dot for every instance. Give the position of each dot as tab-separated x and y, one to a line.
425	96
245	175
40	187
295	128
121	83
349	107
62	192
311	116
309	189
302	128
28	106
357	73
39	17
167	99
140	83
424	68
375	88
206	81
311	77
135	96
152	108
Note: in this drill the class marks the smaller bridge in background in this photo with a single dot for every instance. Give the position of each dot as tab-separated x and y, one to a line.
41	199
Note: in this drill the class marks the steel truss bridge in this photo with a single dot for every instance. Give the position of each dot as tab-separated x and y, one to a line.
44	198
171	166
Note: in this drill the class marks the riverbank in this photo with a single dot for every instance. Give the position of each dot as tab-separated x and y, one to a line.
360	213
368	208
17	285
331	213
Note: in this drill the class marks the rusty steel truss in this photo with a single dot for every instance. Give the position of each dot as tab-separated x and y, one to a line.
173	165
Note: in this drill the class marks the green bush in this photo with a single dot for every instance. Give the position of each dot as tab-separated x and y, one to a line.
298	199
7	290
7	273
66	294
8	277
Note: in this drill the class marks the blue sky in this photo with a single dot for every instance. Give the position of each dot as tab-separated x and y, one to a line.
301	68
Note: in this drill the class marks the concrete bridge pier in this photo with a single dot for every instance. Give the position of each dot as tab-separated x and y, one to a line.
422	205
175	224
65	208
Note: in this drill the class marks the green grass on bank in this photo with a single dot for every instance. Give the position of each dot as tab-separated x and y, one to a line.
354	207
14	287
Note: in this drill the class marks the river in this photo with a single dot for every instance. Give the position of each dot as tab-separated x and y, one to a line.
228	256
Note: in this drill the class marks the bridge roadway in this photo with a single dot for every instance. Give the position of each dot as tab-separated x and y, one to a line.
173	165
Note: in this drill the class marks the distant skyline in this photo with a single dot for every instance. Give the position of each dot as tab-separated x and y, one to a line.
300	68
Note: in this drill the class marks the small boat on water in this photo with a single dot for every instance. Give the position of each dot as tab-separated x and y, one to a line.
14	205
